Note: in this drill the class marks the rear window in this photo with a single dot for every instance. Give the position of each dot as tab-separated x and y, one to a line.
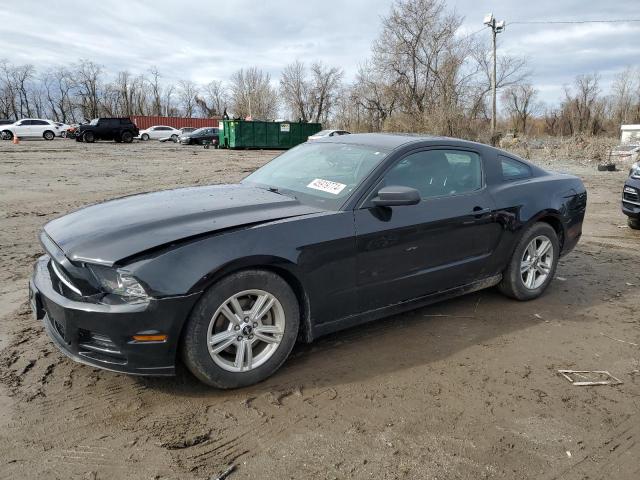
513	169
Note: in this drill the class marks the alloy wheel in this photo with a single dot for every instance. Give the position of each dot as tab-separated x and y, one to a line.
246	330
536	263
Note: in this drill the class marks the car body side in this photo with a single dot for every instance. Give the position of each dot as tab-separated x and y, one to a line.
318	253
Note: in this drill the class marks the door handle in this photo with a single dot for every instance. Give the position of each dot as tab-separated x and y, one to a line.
479	211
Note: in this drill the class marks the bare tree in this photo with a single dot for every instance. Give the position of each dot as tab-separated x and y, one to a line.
325	86
310	98
89	87
520	104
214	99
252	94
187	94
295	90
510	70
625	96
583	109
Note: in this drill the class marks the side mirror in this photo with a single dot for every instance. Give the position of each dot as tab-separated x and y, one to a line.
395	196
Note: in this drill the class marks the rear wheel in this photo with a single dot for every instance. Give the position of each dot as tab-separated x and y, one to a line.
533	263
127	137
89	137
241	330
633	223
49	135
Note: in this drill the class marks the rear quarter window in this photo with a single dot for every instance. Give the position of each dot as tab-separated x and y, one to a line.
512	169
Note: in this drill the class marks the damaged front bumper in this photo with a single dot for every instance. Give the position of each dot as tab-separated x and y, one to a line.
101	335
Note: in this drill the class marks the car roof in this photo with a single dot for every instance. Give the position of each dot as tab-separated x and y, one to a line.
391	141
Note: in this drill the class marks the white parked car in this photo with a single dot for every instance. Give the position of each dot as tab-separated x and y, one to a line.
159	131
31	128
326	134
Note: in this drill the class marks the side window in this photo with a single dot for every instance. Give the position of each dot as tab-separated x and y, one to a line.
435	173
513	169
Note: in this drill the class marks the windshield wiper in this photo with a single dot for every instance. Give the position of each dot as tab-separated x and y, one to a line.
277	190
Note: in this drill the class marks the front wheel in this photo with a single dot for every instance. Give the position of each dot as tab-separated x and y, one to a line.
533	263
89	137
7	135
144	137
241	330
633	223
174	138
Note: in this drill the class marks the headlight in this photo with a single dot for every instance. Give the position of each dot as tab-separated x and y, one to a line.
119	282
635	170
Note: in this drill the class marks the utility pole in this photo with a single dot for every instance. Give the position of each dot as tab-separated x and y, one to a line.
496	27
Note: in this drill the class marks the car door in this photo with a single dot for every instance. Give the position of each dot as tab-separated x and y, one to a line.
158	132
38	128
22	128
444	241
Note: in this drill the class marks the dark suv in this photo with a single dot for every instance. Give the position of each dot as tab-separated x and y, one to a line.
631	197
118	129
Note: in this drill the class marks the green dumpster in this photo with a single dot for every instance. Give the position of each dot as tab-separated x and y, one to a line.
257	134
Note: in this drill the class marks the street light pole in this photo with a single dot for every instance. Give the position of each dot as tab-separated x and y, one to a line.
496	27
493	84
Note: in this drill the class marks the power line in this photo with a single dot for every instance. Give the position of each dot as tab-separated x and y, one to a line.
474	33
535	22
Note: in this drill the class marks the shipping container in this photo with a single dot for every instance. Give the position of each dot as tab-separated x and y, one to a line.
257	134
143	122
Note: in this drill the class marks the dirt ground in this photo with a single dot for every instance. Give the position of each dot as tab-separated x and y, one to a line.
464	389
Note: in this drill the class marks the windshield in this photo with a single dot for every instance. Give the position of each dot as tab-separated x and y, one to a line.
323	133
199	130
94	121
626	148
321	174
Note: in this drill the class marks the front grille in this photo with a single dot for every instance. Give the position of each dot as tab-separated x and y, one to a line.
100	347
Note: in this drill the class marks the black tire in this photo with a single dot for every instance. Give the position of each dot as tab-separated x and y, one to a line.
48	135
126	137
63	134
144	137
512	284
78	138
7	135
174	138
195	352
88	137
633	223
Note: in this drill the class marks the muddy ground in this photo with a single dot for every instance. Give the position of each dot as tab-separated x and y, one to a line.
463	389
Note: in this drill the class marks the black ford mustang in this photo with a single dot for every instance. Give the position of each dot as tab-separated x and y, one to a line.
328	235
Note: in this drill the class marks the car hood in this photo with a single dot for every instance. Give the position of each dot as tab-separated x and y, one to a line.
108	232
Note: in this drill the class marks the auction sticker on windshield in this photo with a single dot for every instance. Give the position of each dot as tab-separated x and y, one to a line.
327	186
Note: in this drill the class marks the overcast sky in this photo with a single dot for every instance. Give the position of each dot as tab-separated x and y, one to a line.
205	40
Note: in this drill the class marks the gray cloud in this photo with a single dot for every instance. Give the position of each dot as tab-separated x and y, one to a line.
203	40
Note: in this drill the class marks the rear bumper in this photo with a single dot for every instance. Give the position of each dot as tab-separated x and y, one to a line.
102	335
631	198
